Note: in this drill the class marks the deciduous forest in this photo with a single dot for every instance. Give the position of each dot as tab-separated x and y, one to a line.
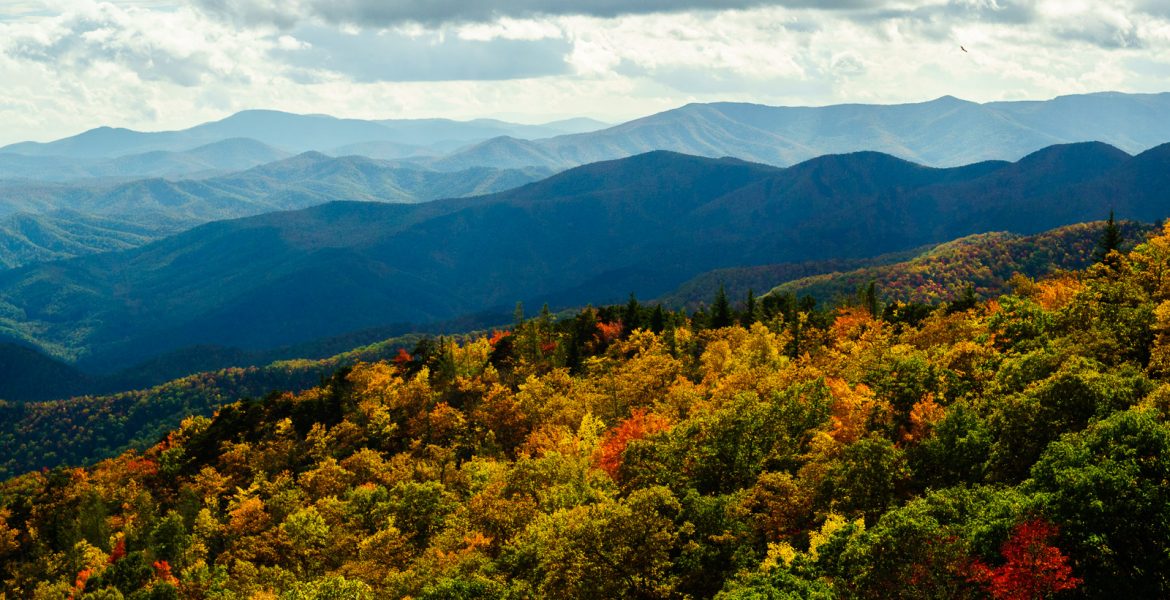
1017	447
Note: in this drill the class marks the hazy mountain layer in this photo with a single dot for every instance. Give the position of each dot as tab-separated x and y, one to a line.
295	133
645	224
42	221
942	132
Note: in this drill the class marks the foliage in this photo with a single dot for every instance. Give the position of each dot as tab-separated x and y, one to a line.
1015	448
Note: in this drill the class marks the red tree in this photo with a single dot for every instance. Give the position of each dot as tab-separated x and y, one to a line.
1033	569
118	552
162	572
79	583
639	425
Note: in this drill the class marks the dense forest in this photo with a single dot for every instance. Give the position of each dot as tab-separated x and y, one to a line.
1012	448
83	429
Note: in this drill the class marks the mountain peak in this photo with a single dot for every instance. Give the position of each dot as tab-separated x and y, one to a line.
1077	153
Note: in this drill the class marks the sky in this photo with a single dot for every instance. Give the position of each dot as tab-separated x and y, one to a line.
71	65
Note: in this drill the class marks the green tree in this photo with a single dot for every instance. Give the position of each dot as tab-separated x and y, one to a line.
1105	487
1111	239
609	550
631	316
721	310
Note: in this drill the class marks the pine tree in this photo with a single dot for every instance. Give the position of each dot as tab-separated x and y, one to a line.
631	317
518	315
868	297
1111	239
657	319
721	310
750	310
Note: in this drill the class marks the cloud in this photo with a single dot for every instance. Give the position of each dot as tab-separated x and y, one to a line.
367	56
434	13
155	46
69	65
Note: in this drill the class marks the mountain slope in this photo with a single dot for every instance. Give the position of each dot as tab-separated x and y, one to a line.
985	261
27	238
49	221
593	234
967	452
31	376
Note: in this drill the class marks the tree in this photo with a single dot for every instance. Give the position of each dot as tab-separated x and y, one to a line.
605	550
631	316
638	426
750	310
721	310
869	300
658	319
1105	487
1111	239
1033	569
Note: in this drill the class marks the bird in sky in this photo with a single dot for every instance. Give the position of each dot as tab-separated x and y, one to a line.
963	49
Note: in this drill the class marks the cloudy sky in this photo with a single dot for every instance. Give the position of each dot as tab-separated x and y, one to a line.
69	65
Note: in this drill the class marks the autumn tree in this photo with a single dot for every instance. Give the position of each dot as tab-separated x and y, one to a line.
1033	568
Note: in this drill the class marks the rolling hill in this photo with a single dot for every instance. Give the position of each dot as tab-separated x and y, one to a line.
986	261
593	234
236	154
44	221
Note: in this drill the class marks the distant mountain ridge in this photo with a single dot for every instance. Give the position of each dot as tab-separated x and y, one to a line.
593	234
944	132
294	133
213	159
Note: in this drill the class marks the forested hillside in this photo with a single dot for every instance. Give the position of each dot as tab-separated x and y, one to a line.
1013	448
46	221
83	429
645	224
985	263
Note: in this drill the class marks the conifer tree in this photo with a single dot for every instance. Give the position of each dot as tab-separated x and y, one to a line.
657	319
721	310
631	317
1111	239
750	309
868	297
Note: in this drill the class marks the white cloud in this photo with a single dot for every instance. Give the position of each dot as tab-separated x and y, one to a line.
155	64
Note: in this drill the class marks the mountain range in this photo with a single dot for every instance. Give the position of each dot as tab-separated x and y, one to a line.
943	132
295	134
217	158
47	221
592	234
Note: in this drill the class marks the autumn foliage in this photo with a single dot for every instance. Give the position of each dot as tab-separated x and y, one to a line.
1008	449
1033	568
639	425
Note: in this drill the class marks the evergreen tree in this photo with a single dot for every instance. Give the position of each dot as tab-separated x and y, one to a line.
721	310
868	297
631	317
750	309
1111	239
657	319
519	315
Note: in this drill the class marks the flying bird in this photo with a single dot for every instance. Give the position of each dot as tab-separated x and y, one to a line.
963	49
